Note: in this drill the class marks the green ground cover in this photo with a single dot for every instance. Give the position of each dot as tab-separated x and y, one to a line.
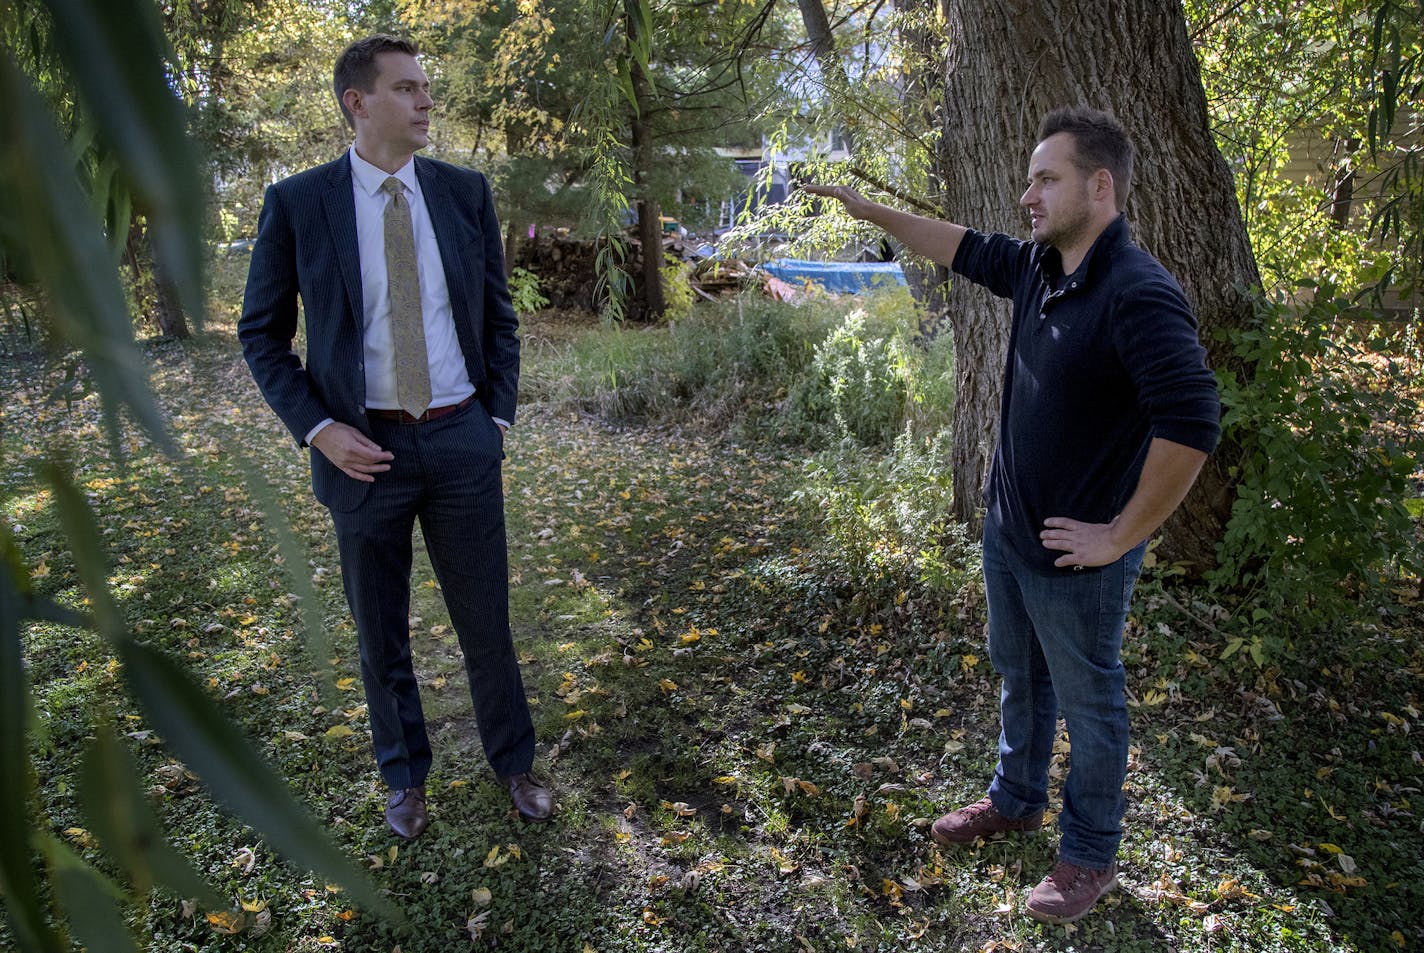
747	730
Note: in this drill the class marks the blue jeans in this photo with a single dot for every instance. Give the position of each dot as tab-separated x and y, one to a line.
1055	638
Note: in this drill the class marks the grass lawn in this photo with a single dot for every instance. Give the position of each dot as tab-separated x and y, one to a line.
747	745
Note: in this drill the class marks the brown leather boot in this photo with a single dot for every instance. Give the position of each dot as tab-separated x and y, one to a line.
980	819
1069	892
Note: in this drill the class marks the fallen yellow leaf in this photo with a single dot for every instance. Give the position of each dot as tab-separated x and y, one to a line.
226	922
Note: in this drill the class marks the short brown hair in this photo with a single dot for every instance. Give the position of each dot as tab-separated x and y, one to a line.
356	66
1099	142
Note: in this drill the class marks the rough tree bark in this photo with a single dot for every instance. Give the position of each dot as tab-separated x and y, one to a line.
1010	63
168	312
167	309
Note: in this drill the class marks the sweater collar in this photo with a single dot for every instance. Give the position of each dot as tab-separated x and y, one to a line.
1116	235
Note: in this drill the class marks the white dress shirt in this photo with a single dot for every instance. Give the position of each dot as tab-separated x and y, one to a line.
449	379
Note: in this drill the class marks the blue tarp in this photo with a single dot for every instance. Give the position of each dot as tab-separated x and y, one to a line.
842	277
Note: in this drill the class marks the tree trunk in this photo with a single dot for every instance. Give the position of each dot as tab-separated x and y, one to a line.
650	229
167	306
168	310
511	247
1008	65
833	75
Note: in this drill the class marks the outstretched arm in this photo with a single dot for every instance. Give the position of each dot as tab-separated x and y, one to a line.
932	238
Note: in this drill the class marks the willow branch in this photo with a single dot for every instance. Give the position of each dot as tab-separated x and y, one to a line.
918	204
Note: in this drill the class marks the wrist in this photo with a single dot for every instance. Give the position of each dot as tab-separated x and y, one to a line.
1118	536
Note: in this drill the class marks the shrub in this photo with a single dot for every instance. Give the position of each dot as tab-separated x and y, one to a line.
859	380
812	372
1331	442
678	295
524	292
725	359
868	381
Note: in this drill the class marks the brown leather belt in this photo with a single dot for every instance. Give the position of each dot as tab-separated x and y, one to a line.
433	413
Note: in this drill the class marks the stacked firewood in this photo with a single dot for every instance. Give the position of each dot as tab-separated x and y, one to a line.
565	266
568	277
712	278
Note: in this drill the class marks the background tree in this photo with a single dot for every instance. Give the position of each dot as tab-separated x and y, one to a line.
590	135
257	78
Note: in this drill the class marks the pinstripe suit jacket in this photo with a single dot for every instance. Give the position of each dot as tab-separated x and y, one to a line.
306	247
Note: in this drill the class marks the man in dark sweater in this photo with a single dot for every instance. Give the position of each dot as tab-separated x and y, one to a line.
1107	415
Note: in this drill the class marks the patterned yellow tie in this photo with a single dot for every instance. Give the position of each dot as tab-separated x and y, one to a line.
407	325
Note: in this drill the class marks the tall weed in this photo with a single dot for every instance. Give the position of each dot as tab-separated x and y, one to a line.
724	360
889	514
869	380
860	382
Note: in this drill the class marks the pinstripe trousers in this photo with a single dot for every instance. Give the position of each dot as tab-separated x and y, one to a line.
445	474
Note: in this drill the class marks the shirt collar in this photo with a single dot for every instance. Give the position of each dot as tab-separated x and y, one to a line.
370	178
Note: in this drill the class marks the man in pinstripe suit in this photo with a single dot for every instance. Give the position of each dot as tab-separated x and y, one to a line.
410	381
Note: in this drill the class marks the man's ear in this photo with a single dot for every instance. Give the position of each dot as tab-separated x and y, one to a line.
1103	186
352	99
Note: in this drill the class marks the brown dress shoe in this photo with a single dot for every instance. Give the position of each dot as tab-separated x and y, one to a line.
405	812
533	801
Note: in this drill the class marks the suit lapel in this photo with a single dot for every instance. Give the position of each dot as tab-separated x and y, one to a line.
341	218
440	205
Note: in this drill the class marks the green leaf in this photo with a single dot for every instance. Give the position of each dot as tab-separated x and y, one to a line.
115	51
87	547
19	886
625	83
52	220
20	598
119	815
1258	653
192	724
318	646
91	902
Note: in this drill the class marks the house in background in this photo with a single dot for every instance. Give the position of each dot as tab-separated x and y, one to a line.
1333	167
769	172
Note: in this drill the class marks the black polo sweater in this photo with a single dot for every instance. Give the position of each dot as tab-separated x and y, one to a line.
1100	362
